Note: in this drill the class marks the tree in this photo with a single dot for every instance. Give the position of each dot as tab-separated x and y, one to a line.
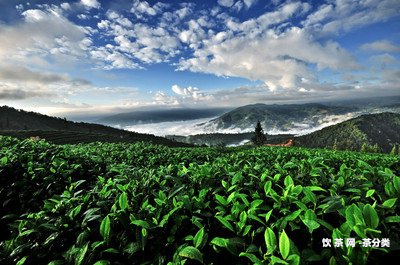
259	137
335	145
394	151
376	148
364	147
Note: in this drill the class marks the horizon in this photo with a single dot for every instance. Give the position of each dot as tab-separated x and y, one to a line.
87	56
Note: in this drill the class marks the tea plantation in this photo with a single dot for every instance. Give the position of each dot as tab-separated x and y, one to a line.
116	203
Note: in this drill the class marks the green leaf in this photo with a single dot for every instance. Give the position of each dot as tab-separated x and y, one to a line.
111	250
284	245
315	188
102	262
255	204
219	241
144	232
293	215
141	223
3	162
123	201
392	219
191	253
199	238
354	216
396	183
310	220
389	203
276	260
311	224
251	257
56	262
243	217
21	261
105	228
81	254
270	240
369	193
294	259
225	223
267	216
370	216
267	187
288	181
221	200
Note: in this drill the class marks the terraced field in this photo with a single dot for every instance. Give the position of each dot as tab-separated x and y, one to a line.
119	203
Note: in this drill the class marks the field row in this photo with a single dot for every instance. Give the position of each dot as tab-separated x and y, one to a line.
113	203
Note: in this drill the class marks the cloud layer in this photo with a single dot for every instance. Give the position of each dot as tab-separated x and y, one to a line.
286	47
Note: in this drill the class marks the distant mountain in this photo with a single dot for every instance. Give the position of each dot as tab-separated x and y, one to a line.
381	129
161	115
225	139
25	124
279	117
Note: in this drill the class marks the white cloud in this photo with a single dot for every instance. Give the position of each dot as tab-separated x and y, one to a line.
91	4
226	3
341	15
139	41
117	18
278	59
249	3
19	7
383	60
160	98
142	8
65	6
381	46
109	58
34	15
190	92
20	83
43	35
83	16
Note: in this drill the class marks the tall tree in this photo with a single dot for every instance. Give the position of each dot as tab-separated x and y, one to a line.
259	137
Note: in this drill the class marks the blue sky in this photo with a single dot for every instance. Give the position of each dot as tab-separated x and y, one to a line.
89	56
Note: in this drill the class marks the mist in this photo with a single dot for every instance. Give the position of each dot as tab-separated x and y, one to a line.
201	126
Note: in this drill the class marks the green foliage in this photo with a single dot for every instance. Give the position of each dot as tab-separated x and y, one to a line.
372	133
104	203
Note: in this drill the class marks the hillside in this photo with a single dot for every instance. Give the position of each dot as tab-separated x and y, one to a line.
225	139
382	129
278	117
23	124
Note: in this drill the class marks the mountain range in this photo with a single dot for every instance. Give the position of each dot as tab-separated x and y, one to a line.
161	115
23	124
370	132
279	118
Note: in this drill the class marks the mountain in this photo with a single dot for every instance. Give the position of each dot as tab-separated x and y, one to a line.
161	115
382	129
279	117
25	124
225	139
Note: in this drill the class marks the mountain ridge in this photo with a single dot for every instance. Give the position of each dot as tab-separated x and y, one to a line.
278	117
365	131
24	124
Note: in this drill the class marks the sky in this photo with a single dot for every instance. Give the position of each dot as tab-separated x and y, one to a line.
91	56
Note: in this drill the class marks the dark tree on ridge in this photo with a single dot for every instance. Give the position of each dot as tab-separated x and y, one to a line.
259	137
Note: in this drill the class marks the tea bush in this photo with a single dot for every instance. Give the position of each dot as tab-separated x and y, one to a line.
115	203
